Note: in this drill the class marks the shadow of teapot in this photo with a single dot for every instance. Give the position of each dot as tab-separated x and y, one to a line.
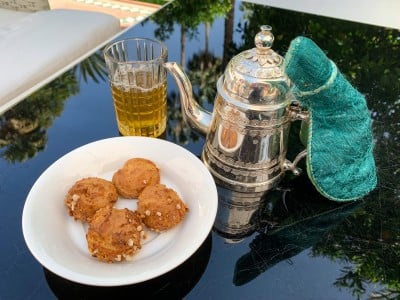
291	218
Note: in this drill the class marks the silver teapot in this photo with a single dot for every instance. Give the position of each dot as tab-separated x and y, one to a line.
247	133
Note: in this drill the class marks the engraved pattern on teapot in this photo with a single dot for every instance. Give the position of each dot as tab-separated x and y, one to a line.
229	165
234	118
228	162
267	60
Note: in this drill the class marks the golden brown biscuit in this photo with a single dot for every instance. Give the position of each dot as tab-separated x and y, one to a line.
160	207
114	234
134	176
88	195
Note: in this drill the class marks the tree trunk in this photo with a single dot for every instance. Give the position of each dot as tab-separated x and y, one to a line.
228	35
183	43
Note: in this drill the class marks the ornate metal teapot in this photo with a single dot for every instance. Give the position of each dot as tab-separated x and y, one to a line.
247	133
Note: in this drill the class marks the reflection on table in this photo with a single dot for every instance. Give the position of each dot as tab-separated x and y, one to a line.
293	244
175	284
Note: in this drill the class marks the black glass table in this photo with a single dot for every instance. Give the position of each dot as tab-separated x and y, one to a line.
299	245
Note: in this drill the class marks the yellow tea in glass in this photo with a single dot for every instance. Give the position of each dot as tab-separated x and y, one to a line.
138	85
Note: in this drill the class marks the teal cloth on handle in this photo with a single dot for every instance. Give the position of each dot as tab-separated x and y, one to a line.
340	160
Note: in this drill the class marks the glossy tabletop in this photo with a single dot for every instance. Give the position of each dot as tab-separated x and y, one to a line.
299	245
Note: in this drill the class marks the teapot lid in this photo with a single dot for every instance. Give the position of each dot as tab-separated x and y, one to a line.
256	76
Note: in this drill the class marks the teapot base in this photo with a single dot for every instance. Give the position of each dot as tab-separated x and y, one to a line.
247	184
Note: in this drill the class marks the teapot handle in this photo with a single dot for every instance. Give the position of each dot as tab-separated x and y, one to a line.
296	113
292	166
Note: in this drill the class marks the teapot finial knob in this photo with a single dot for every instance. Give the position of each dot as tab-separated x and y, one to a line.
264	39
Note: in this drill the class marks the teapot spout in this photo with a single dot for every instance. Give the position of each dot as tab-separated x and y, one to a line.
193	114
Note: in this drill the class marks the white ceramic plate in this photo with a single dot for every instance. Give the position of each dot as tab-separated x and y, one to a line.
59	243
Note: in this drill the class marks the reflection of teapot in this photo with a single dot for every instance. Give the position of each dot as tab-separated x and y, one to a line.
247	133
238	213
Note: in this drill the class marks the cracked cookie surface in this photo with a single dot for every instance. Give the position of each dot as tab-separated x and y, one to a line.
87	195
115	235
160	207
134	176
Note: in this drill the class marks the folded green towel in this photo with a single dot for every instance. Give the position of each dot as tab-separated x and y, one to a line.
340	160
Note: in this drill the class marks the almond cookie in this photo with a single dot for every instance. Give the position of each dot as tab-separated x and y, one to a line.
88	195
134	176
115	235
160	207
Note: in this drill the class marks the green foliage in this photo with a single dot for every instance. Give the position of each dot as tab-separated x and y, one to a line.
204	70
23	128
189	14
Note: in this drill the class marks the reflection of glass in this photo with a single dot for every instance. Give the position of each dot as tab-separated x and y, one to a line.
172	285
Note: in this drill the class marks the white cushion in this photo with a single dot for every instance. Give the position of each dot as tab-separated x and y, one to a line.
10	16
40	46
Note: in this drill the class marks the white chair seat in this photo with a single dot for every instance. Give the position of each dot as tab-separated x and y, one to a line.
37	47
8	17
